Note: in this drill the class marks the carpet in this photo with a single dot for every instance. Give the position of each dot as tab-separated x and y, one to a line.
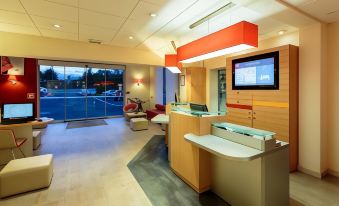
151	169
86	123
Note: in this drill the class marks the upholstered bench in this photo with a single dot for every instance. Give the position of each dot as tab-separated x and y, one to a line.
36	139
138	124
26	174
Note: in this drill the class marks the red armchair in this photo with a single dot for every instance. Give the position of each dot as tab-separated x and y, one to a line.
159	109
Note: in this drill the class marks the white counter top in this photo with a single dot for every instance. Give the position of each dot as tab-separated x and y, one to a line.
160	119
227	149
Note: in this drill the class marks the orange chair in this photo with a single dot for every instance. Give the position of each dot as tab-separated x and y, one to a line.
9	142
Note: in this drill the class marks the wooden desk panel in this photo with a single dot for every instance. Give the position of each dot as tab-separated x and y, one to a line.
189	162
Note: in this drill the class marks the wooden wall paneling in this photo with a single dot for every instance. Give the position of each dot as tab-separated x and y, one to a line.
273	110
196	88
294	100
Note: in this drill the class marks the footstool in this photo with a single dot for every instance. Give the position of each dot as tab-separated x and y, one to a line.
129	116
36	139
137	124
26	174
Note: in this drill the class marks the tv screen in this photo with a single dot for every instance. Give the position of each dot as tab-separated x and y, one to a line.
18	111
256	72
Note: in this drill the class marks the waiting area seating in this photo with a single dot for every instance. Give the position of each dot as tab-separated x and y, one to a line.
137	124
36	139
26	174
159	109
10	142
130	115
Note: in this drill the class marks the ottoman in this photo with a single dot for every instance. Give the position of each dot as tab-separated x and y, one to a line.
36	139
138	124
129	116
26	174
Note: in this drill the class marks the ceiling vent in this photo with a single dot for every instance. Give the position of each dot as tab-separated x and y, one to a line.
94	41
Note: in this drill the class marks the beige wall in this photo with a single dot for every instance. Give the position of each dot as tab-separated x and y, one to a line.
333	98
310	104
134	72
49	48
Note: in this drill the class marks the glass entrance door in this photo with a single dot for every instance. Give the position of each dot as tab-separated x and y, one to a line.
80	92
96	87
75	93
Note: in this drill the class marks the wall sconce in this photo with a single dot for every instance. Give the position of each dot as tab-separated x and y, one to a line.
139	81
12	79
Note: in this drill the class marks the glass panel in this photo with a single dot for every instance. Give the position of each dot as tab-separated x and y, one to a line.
72	91
96	92
245	130
75	93
222	90
52	92
114	92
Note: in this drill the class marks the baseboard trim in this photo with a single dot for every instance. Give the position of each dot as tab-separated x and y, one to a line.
333	173
312	173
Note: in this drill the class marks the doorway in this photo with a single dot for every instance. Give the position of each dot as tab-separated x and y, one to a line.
75	91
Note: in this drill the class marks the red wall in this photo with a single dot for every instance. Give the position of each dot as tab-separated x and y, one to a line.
27	83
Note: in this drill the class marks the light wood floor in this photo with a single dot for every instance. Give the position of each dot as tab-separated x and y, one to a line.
90	169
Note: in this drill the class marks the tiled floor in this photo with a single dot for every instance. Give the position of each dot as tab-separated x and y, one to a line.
90	166
91	169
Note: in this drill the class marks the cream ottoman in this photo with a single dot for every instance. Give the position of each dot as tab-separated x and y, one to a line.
26	174
138	124
36	139
129	116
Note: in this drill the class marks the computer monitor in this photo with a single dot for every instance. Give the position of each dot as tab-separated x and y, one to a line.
17	113
198	107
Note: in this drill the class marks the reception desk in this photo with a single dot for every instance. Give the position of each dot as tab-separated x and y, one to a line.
192	164
240	174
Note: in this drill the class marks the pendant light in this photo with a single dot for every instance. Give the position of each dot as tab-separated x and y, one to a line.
235	38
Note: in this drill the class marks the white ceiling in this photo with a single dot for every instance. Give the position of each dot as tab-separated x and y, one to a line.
325	10
113	21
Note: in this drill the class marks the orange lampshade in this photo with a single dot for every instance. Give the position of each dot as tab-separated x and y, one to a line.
235	38
138	81
12	79
172	64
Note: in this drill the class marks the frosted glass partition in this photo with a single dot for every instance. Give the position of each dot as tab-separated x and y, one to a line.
245	130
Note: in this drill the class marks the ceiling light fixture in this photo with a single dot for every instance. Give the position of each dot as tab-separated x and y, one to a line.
153	14
235	38
281	32
57	26
131	37
213	14
172	64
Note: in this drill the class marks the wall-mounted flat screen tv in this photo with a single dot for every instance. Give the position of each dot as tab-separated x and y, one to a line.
256	72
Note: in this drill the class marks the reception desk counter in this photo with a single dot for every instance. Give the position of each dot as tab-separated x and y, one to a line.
202	156
192	164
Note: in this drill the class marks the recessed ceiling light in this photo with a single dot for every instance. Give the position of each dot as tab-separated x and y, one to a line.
153	14
57	26
131	37
281	32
